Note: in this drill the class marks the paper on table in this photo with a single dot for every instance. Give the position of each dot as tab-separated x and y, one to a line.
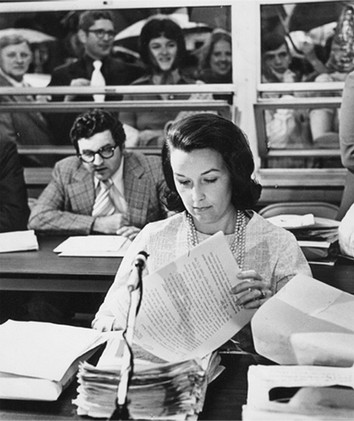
94	246
18	241
187	309
302	305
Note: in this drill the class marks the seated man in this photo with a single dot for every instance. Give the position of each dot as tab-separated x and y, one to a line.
103	189
14	213
14	209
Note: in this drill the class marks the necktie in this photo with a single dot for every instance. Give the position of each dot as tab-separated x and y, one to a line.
97	79
103	205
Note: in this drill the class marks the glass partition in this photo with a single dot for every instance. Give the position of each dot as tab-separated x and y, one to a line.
57	41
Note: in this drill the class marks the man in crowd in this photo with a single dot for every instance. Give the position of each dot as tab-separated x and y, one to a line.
23	128
96	68
74	202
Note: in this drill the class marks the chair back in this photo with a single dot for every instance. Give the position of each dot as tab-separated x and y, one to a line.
319	209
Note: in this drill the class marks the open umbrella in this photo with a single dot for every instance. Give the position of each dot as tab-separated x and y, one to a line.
128	37
31	35
306	16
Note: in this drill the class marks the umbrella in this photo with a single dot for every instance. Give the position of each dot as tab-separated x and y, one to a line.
129	36
31	35
306	16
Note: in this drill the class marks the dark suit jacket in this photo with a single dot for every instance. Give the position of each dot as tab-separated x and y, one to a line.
114	71
14	209
66	203
24	128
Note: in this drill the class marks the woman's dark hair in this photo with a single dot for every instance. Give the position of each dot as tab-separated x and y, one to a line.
210	131
97	121
156	27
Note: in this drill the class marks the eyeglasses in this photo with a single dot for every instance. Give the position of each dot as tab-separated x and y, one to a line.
100	33
105	153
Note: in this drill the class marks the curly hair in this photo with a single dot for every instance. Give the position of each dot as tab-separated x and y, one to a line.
210	131
95	121
155	27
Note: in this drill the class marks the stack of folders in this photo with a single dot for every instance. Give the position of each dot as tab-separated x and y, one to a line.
18	241
316	236
158	389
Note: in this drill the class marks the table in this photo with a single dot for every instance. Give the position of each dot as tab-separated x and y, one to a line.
44	270
224	398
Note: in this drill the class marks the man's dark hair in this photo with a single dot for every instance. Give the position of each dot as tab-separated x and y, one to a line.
273	41
97	121
88	18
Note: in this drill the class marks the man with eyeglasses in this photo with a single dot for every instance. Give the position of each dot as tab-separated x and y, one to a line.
96	33
135	182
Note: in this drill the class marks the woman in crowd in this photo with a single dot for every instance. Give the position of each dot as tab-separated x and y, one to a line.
215	58
23	128
163	51
208	167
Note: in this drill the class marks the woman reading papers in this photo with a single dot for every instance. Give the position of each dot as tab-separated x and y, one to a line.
208	167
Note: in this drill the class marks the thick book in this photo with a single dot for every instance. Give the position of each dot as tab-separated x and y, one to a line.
39	360
18	241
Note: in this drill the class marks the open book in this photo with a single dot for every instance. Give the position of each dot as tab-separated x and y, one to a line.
38	360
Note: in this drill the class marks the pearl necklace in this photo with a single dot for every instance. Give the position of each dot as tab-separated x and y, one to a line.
238	244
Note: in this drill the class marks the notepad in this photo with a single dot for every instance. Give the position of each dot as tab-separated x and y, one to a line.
18	241
94	246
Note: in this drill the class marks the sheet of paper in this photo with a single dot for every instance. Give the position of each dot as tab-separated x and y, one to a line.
187	309
18	241
43	350
94	246
303	305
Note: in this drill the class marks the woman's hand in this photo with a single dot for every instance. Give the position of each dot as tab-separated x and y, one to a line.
253	291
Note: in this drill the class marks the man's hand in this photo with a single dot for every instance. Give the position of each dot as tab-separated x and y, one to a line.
76	82
129	231
109	224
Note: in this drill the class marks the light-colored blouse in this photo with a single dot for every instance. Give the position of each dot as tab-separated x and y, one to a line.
271	251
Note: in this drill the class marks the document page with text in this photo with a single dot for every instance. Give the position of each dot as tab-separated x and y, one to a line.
187	309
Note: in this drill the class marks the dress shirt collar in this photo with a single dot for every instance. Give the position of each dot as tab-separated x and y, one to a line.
14	82
117	177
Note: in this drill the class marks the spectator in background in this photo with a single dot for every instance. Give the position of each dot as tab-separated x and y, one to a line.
163	50
23	128
69	203
97	67
346	141
14	209
215	58
285	128
325	121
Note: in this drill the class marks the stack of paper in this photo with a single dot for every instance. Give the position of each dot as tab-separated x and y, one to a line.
299	393
94	246
158	389
38	360
18	241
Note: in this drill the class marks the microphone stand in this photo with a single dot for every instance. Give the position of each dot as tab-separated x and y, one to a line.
121	411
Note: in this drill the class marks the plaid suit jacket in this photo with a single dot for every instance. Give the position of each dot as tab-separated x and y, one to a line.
65	205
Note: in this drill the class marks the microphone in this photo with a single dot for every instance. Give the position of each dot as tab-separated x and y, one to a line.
139	265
